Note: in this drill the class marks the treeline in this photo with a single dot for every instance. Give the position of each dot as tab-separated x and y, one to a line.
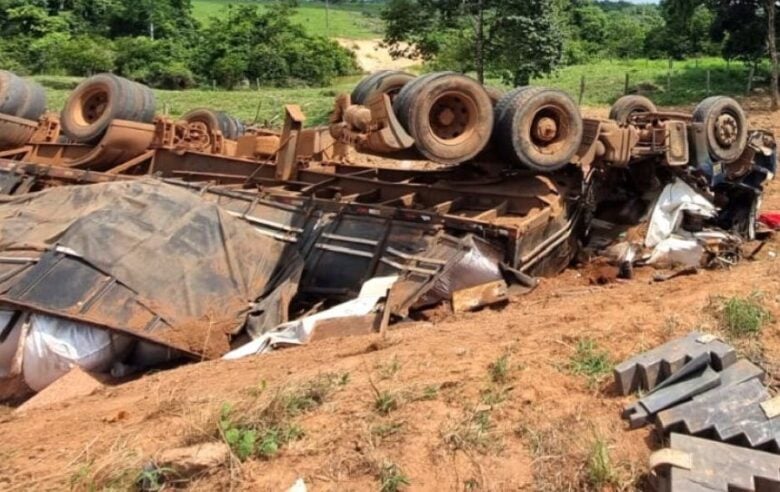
521	39
158	42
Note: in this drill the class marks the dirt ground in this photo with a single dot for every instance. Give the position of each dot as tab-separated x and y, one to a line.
478	401
372	56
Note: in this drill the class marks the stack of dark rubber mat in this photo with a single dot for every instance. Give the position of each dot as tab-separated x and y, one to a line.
722	424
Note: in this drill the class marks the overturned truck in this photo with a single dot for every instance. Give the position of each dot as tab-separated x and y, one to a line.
184	239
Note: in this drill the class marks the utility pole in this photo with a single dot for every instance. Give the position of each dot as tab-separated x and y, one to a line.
479	47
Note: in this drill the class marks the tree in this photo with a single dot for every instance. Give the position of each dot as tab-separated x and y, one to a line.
517	39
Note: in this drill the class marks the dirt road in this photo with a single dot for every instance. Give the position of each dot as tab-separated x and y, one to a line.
372	56
484	401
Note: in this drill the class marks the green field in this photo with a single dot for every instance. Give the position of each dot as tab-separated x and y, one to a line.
604	81
342	21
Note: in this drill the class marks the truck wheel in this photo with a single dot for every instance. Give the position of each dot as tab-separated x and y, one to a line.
627	106
539	128
35	102
725	125
145	102
12	93
495	94
94	104
448	115
213	120
233	127
388	82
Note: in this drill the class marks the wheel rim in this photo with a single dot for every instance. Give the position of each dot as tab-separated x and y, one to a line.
550	130
452	117
726	129
91	106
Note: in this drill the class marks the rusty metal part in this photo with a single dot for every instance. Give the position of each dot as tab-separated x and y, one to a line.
528	215
286	158
726	129
382	133
677	145
15	132
48	130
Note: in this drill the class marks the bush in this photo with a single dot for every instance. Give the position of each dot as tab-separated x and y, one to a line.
173	76
85	55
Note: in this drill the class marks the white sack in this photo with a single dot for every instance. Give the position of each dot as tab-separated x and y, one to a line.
54	345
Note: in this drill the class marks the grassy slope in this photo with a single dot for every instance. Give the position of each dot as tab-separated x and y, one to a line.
348	21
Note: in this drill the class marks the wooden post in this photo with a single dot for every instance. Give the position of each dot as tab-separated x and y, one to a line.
669	81
750	79
709	87
582	89
213	84
625	88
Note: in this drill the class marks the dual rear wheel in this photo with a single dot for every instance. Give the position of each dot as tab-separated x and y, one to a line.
20	97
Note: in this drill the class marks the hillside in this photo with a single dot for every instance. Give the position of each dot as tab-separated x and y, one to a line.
342	21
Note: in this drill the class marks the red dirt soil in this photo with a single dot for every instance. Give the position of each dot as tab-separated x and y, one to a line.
540	437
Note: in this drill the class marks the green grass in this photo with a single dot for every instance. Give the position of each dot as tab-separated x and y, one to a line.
744	316
600	470
590	360
341	21
605	80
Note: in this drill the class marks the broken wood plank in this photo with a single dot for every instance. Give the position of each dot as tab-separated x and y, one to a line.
478	296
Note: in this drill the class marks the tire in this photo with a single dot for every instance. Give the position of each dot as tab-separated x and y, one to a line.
35	102
449	116
401	102
495	94
94	104
229	126
149	104
388	82
360	88
627	106
725	126
13	90
524	114
504	104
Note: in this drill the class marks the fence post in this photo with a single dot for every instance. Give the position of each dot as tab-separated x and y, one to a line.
213	84
709	87
750	79
582	89
625	88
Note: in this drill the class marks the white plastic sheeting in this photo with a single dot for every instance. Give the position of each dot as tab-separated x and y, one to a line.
299	331
54	345
676	198
672	245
